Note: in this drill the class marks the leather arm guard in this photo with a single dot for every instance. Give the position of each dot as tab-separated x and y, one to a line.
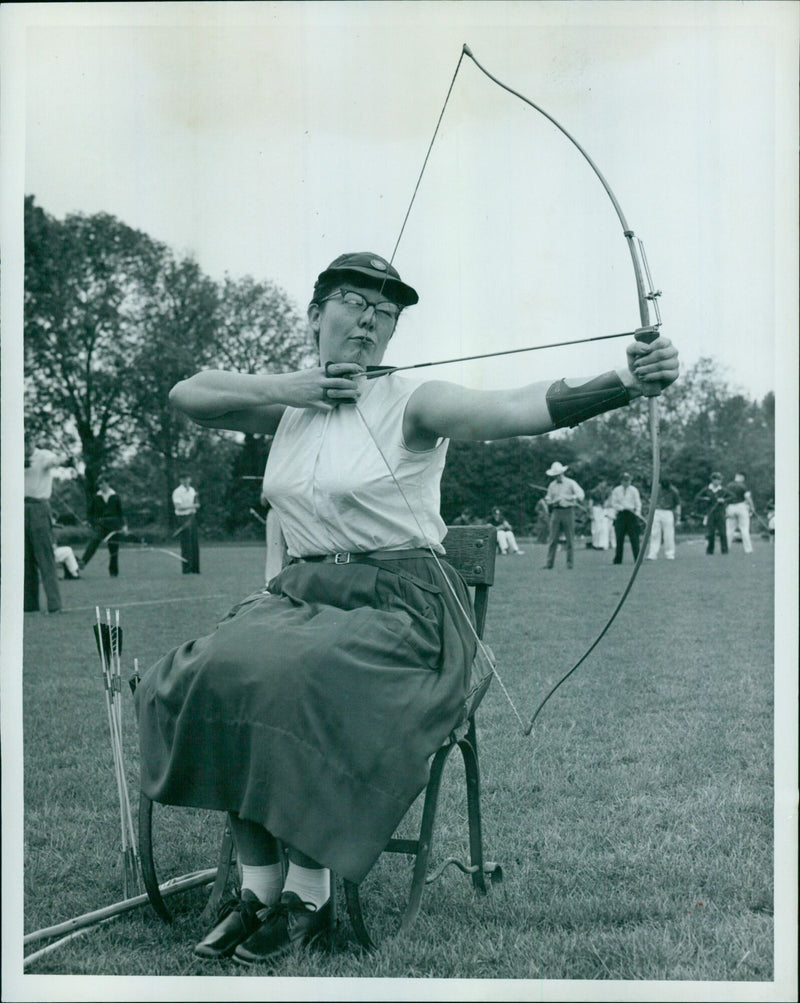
572	405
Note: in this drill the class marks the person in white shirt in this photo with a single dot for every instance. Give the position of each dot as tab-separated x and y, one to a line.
627	505
600	523
737	514
186	503
563	495
39	558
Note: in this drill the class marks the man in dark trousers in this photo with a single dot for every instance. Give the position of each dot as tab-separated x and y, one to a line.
186	504
715	497
627	505
563	495
108	522
39	557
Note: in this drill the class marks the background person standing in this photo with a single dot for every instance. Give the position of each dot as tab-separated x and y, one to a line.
771	518
39	540
714	497
608	508
627	507
597	513
105	515
563	494
541	527
740	508
666	515
186	503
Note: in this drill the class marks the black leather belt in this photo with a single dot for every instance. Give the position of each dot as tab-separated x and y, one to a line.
348	557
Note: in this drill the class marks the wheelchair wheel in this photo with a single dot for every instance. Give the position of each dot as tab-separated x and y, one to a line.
181	848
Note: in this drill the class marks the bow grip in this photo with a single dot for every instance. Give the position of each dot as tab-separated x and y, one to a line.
647	335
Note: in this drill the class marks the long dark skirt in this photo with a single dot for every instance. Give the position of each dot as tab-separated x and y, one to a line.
313	708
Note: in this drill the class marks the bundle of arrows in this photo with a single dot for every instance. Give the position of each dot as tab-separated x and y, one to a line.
109	645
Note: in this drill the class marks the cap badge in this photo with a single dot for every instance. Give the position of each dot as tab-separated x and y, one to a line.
377	263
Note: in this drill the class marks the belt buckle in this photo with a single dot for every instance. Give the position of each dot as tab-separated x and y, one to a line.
343	557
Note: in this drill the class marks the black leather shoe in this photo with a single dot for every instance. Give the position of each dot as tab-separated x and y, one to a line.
289	923
236	921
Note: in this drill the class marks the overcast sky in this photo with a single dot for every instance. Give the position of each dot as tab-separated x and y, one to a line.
266	139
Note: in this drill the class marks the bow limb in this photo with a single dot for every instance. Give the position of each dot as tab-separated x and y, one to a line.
647	333
654	482
637	564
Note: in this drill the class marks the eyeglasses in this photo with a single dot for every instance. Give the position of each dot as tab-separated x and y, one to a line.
385	311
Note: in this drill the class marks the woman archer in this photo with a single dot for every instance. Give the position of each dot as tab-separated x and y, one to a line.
310	713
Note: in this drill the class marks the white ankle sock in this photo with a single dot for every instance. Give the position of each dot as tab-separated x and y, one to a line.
265	881
312	884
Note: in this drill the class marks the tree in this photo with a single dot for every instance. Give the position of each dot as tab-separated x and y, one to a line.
87	280
178	336
721	429
703	425
506	473
244	486
260	331
113	320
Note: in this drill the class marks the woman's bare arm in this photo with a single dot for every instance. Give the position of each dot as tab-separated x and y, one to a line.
446	410
245	402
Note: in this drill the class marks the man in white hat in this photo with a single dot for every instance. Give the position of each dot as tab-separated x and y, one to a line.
563	494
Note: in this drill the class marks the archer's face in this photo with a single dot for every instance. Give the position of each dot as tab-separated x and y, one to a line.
351	334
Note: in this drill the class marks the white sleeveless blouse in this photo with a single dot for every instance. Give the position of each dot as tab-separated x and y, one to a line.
332	489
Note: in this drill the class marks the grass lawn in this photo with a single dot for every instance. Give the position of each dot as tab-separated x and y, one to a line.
634	826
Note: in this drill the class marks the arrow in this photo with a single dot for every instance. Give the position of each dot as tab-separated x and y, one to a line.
372	372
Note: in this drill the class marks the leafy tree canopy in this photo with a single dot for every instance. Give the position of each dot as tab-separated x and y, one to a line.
113	319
